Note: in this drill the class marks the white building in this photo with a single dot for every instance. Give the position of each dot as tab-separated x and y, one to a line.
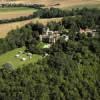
17	55
23	59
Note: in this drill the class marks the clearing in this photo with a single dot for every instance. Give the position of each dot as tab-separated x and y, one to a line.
10	57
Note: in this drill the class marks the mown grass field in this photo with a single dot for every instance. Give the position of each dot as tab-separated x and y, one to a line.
11	9
9	57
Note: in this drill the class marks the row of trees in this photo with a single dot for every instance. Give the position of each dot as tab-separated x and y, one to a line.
21	18
37	6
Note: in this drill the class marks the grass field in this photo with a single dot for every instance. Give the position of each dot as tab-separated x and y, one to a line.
13	12
5	28
9	57
41	45
13	9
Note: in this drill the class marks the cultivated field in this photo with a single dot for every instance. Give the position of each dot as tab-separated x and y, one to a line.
13	12
8	13
10	57
5	28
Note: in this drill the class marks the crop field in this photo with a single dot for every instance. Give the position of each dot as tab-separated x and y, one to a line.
10	57
13	12
5	28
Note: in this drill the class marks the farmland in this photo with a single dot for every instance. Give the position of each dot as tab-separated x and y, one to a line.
13	12
10	58
86	5
6	13
5	28
62	3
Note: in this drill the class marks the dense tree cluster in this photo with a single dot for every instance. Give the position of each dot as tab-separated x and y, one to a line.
50	13
20	37
56	12
70	72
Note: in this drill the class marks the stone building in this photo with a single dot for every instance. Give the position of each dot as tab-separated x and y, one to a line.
49	36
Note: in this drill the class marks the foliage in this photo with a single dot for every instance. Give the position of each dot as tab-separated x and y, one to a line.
56	12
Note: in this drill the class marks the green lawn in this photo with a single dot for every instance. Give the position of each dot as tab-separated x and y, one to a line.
10	57
41	45
13	9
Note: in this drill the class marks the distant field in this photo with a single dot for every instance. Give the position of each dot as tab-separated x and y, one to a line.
63	3
9	57
8	13
13	12
79	3
5	28
86	5
10	9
